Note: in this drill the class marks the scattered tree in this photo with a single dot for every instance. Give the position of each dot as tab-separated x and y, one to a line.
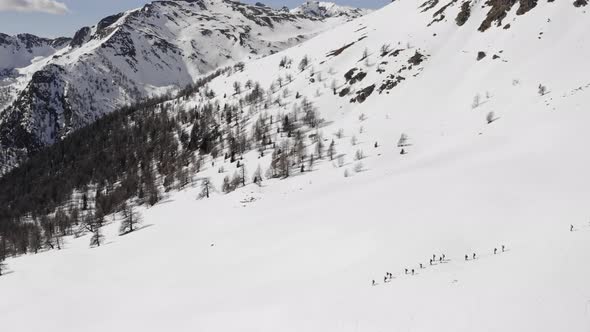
359	155
206	188
542	90
332	150
304	63
476	101
131	219
257	177
491	117
237	88
403	141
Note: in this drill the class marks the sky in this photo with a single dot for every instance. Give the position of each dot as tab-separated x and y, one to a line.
54	18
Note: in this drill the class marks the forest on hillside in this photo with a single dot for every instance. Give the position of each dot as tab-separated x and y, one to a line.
139	153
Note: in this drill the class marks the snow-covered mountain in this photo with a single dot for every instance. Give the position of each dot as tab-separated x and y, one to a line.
18	51
488	101
160	47
328	9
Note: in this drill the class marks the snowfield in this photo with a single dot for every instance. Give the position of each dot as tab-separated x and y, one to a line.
300	254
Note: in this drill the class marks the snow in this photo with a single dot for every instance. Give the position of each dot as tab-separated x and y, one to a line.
299	254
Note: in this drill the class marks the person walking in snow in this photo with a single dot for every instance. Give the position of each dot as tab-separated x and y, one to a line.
412	271
431	262
466	258
503	248
385	279
440	259
495	251
421	266
443	257
571	228
374	282
473	255
406	271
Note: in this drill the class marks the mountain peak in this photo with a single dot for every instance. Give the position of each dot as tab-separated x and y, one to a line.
328	9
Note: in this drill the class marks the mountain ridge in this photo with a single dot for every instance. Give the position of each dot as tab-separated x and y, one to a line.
160	47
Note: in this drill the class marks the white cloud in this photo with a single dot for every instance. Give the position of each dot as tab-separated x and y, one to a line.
44	6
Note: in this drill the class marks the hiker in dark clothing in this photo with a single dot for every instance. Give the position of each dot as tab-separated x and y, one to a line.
495	251
503	247
406	271
466	257
412	271
571	228
431	262
473	255
421	266
440	259
443	257
374	283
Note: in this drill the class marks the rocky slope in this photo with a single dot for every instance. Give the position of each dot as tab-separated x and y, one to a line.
149	51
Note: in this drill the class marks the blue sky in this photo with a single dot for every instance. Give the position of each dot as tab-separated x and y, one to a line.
53	18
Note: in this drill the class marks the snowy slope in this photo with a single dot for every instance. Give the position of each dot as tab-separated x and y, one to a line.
18	51
299	254
21	51
149	51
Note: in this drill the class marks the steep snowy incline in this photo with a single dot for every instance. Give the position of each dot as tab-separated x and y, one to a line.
493	128
158	48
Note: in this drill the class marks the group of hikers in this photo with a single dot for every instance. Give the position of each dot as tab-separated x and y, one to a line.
441	259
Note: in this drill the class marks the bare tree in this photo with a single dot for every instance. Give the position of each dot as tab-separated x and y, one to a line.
319	147
237	88
365	53
3	254
334	86
257	177
303	63
542	90
359	155
97	238
131	219
476	101
385	48
403	141
491	117
97	222
332	150
206	188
